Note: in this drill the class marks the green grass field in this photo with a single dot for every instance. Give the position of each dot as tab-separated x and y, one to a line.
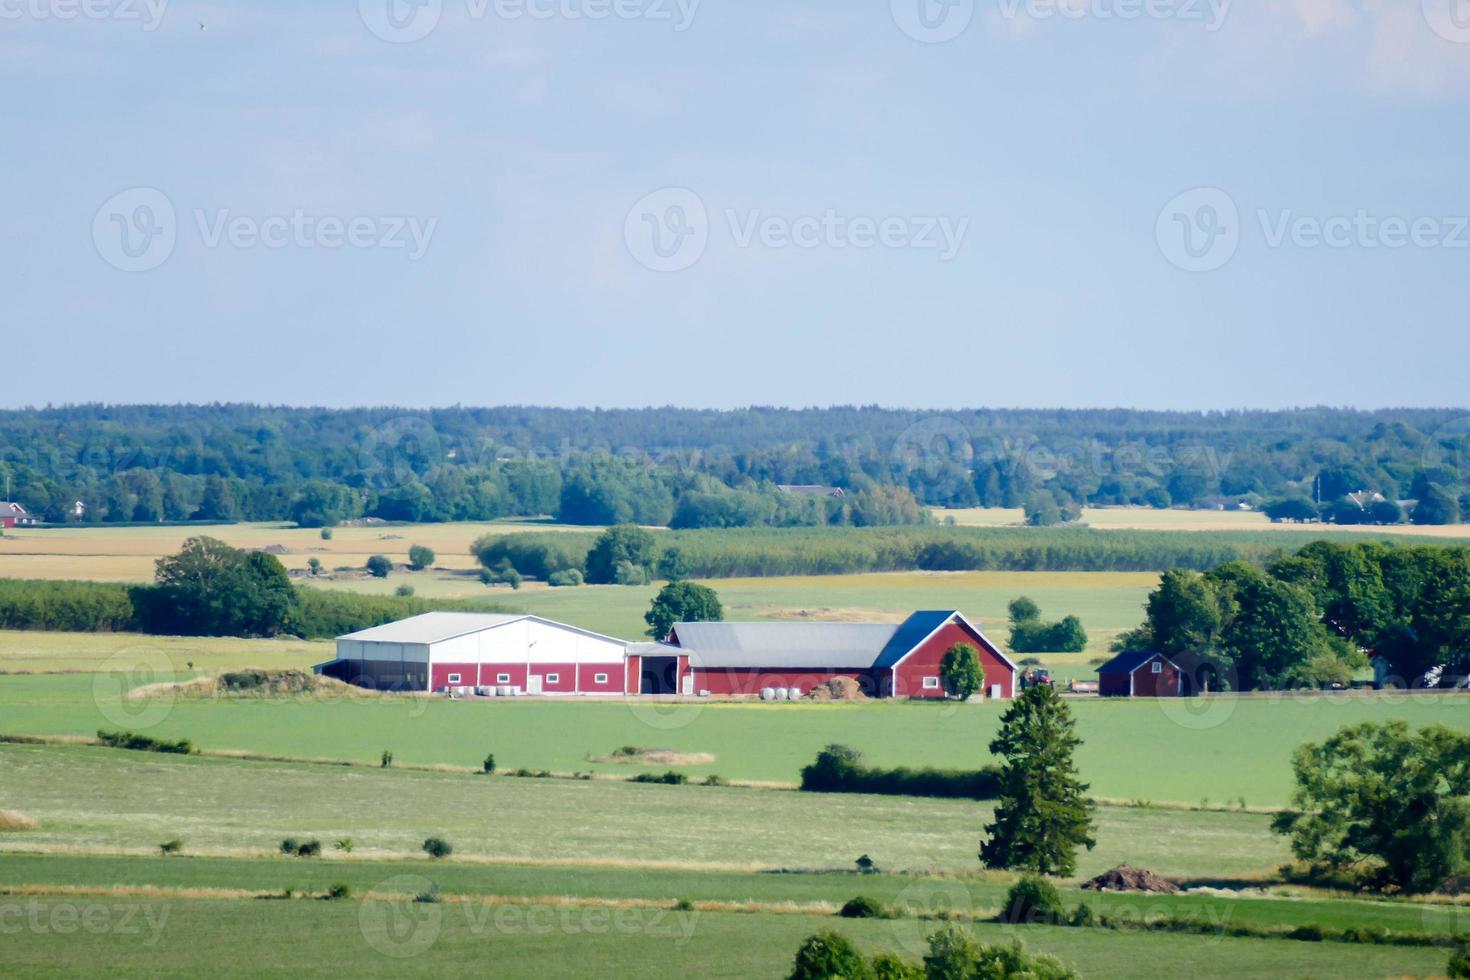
241	938
1219	749
112	800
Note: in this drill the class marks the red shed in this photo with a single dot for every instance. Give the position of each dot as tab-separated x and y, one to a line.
1139	674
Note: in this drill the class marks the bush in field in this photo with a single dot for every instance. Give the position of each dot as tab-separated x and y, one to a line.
1033	900
567	577
1029	634
670	778
534	555
339	891
437	847
344	845
404	591
1459	965
826	955
489	764
954	954
309	849
289	846
171	847
379	566
863	907
840	769
387	758
420	557
144	743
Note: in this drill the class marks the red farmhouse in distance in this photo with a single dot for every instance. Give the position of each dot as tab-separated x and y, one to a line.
1141	674
887	660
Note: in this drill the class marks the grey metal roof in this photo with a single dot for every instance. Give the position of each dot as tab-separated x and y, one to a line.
433	627
643	649
798	645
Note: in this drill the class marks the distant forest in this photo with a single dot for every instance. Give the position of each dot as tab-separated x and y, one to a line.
704	468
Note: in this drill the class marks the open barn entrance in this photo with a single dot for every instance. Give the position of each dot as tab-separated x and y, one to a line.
660	675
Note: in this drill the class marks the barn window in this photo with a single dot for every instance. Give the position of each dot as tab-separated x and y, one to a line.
454	678
599	678
553	678
502	678
931	683
1158	667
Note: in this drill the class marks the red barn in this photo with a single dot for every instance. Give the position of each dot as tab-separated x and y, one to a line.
886	660
1139	674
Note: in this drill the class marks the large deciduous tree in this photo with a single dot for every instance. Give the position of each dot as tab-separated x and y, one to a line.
682	602
1385	796
1043	814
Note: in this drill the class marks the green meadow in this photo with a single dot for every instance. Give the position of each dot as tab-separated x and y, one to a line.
1222	750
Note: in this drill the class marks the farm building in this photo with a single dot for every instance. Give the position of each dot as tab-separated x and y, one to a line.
886	660
1140	674
439	650
13	514
522	654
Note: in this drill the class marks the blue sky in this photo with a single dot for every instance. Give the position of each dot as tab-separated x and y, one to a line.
285	206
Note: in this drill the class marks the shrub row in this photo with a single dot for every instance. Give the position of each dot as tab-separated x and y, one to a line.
732	553
144	743
839	769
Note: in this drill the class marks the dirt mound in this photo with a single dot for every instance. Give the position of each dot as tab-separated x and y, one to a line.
274	549
10	820
1128	879
251	682
838	689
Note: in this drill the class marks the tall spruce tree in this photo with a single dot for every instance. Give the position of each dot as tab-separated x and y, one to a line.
1043	815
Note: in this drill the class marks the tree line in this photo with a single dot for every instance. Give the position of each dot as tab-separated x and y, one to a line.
692	468
1314	618
207	589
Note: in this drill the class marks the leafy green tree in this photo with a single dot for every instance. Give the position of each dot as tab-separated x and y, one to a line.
673	566
828	955
219	502
1437	506
1384	794
421	556
954	954
623	543
1276	628
1386	512
1023	610
1186	613
379	566
322	504
212	589
961	672
1043	814
682	602
1293	510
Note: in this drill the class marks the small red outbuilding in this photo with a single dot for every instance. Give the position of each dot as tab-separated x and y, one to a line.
1139	674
